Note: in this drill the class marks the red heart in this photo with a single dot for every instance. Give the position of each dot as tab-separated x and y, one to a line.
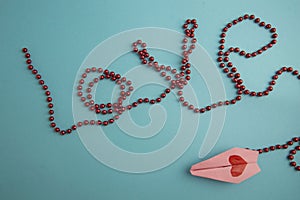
238	165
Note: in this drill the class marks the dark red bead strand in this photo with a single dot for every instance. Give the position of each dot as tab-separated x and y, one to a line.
295	141
47	93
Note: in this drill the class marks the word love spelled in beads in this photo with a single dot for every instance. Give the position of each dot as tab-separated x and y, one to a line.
177	78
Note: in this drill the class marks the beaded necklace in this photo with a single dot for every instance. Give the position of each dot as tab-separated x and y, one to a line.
176	78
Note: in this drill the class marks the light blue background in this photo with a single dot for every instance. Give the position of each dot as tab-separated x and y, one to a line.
37	164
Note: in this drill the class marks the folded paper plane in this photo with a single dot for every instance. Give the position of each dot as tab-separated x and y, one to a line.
233	166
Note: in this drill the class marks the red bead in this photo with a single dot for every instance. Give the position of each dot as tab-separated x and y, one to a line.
251	17
140	100
257	20
293	164
62	132
52	124
56	129
30	67
293	151
24	50
266	150
152	101
74	127
290	157
50	105
51	112
290	143
69	131
105	123
297	168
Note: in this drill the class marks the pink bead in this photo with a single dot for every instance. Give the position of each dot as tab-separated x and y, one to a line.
139	41
79	124
196	110
184	47
150	64
81	81
94	69
119	82
172	86
88	90
122	93
181	99
191	107
122	87
163	74
185	103
86	122
127	93
134	44
179	93
96	80
173	71
144	45
130	88
168	78
79	87
168	68
123	79
100	70
82	98
115	105
91	84
193	46
92	102
128	82
92	122
79	94
177	76
92	108
87	70
89	96
87	104
117	117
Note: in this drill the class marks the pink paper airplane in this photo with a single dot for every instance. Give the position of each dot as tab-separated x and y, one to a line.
233	166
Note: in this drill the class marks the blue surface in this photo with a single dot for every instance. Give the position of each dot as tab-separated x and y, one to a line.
37	164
